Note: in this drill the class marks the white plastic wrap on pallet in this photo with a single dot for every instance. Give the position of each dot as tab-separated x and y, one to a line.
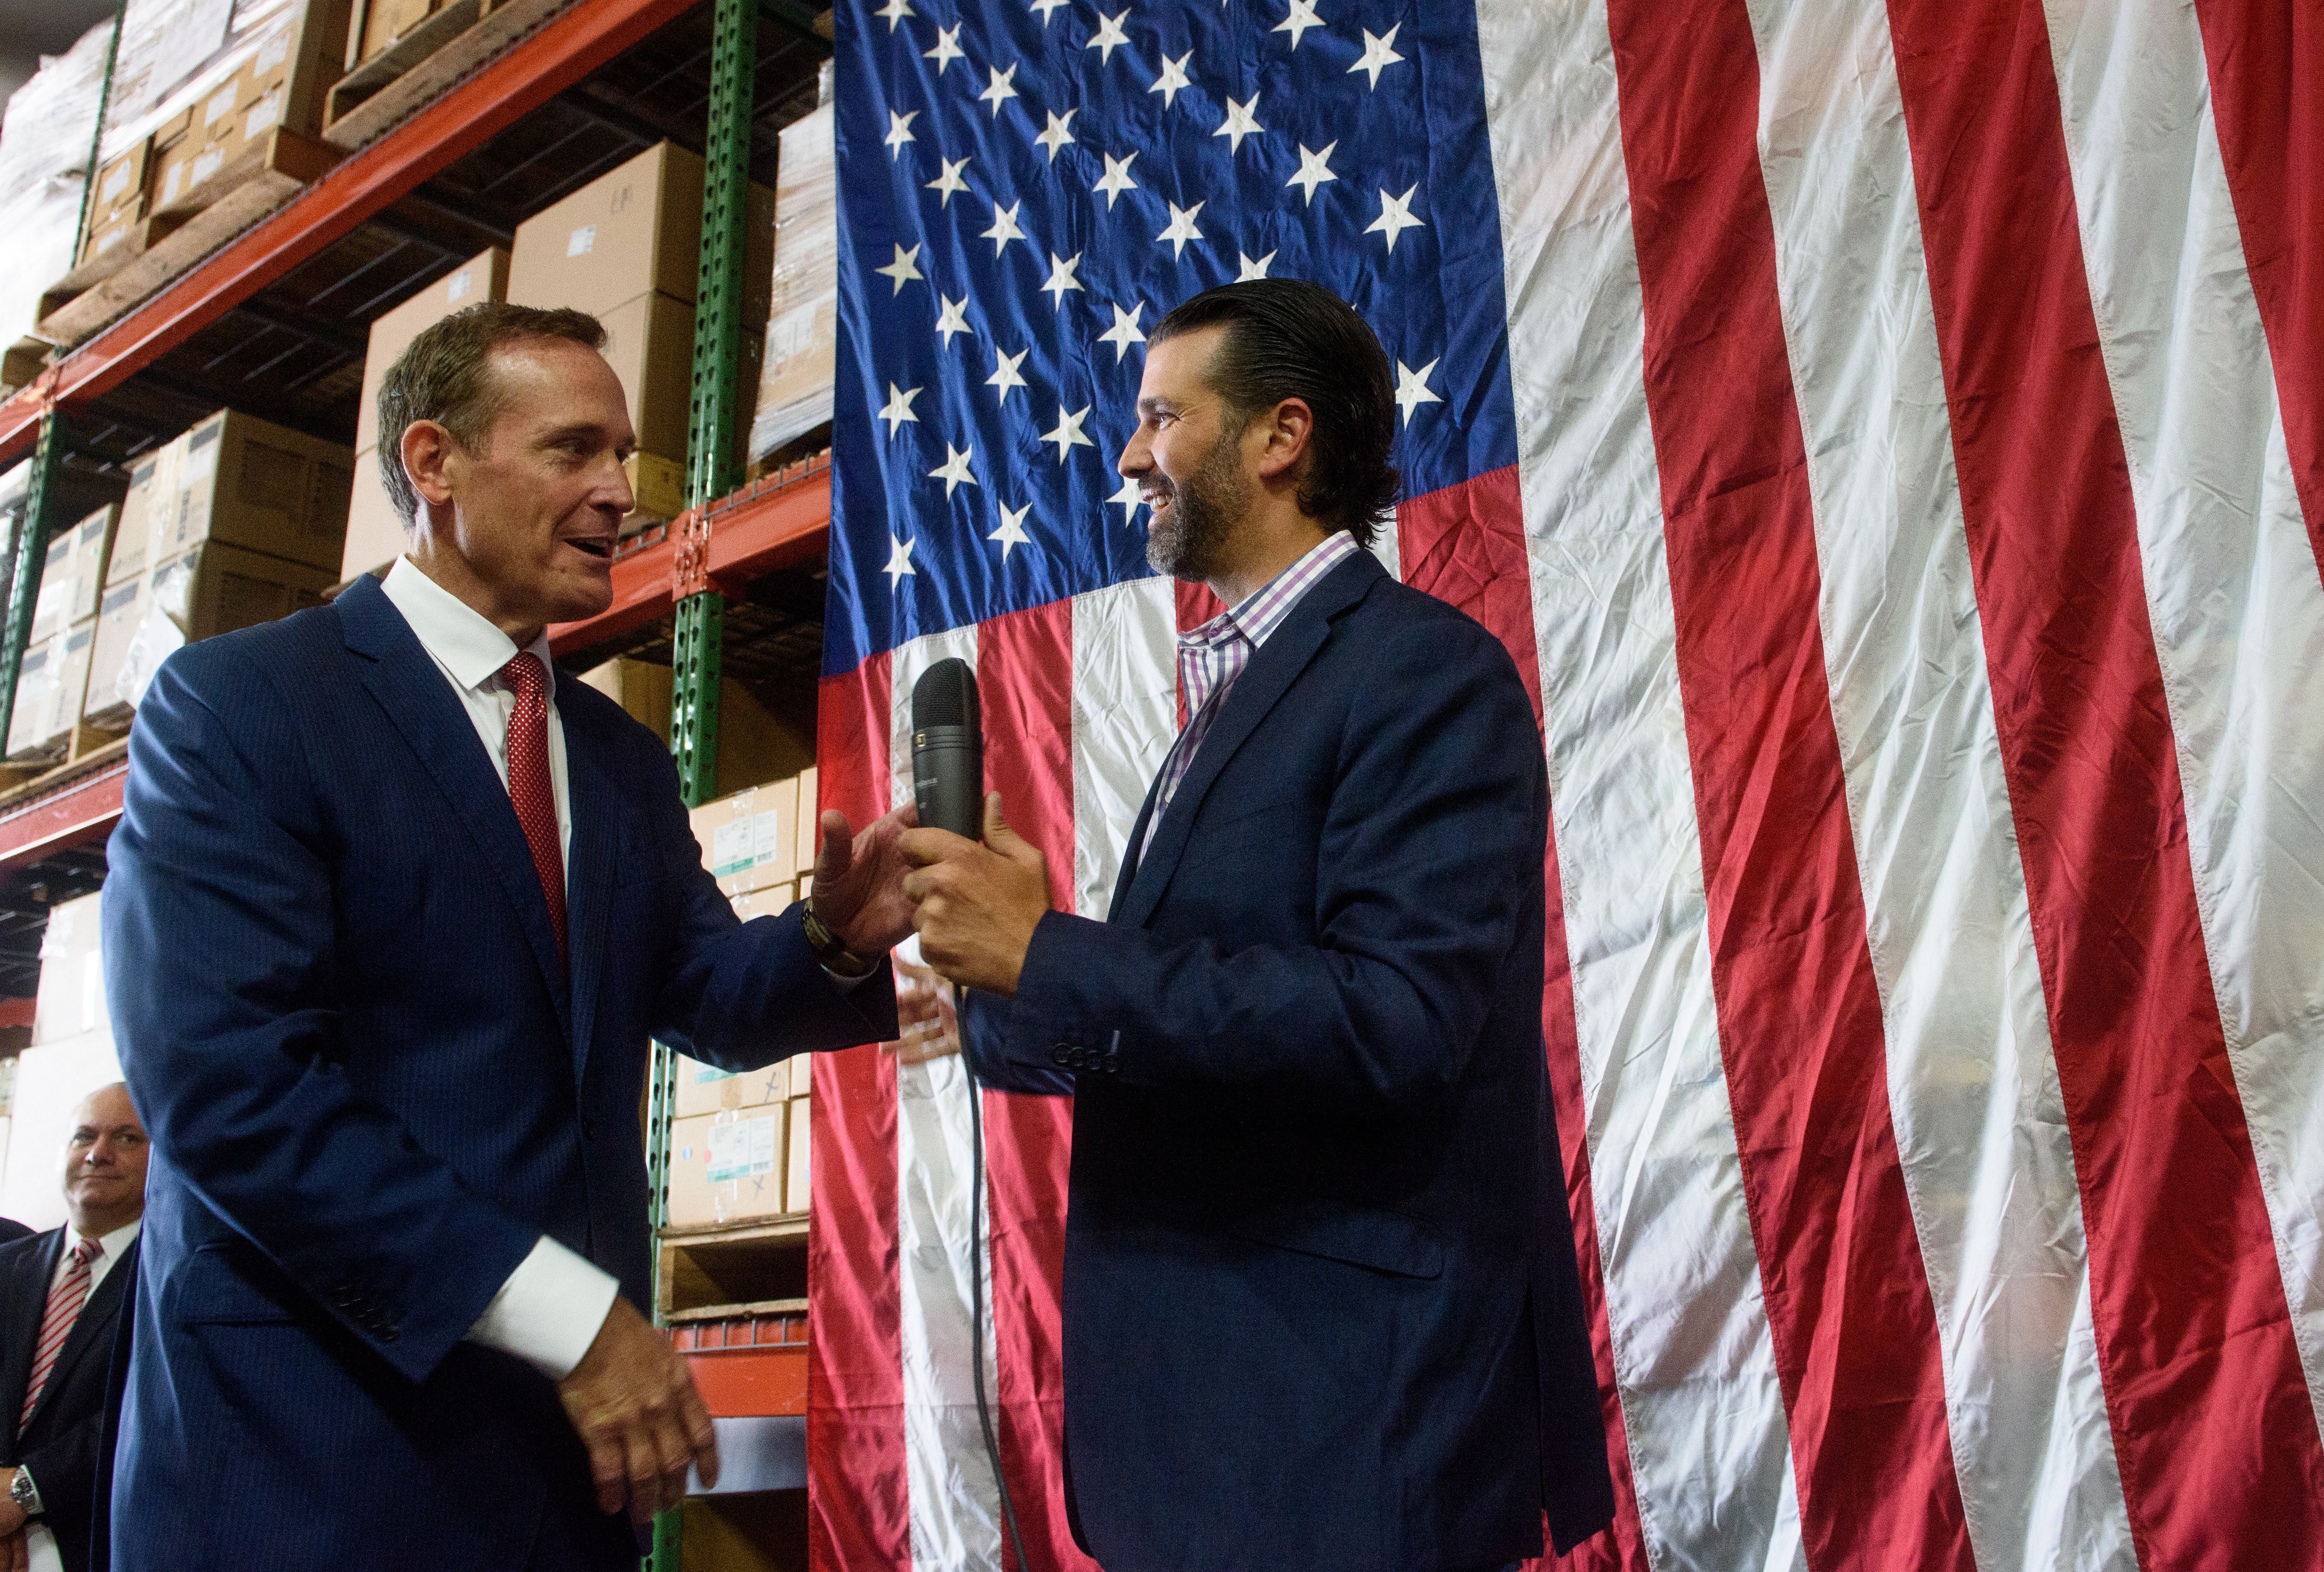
795	379
43	164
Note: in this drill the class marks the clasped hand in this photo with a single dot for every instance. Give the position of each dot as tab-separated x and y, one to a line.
975	906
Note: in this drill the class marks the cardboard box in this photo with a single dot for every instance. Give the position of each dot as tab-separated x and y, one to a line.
376	25
28	739
799	1170
376	532
71	1000
633	231
704	1089
482	277
73	575
809	839
659	486
121	183
747	839
211	589
728	1166
755	745
650	345
800	352
249	483
151	479
769	901
48	708
117	618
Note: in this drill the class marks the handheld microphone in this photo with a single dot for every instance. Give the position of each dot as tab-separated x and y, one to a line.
948	750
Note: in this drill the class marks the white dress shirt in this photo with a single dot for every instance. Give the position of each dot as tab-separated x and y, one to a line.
549	1310
40	1542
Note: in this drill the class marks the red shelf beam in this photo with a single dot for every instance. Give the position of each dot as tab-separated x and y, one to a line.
74	815
565	50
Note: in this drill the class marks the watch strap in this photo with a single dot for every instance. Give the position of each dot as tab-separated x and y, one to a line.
836	956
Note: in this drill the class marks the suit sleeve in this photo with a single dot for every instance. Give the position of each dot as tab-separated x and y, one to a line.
64	1470
743	995
1430	858
218	934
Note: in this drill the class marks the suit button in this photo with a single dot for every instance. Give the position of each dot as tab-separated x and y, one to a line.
1063	1054
1112	1066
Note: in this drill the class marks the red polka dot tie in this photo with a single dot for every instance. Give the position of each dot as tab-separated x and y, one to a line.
529	783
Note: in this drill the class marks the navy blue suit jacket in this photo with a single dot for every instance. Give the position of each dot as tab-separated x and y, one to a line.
1321	1303
371	1087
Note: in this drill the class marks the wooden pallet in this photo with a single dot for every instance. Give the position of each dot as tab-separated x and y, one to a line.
497	26
92	749
730	1264
432	34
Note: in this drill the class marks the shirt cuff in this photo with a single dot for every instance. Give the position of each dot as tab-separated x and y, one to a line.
549	1311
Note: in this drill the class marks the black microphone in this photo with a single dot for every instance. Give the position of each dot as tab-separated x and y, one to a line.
948	750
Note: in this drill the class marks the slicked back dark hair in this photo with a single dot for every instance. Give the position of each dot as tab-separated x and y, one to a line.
1289	339
446	376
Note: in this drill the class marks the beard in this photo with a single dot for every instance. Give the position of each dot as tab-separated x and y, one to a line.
1206	511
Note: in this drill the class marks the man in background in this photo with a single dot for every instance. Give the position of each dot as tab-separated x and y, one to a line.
395	909
61	1297
1320	1301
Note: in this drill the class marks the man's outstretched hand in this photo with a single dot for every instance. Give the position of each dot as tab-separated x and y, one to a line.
977	905
859	880
632	1402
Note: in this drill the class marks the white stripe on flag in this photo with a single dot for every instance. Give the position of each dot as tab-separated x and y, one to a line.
1974	1097
954	1507
1709	1447
2231	579
1125	713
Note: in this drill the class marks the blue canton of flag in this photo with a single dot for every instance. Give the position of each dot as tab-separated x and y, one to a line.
1026	191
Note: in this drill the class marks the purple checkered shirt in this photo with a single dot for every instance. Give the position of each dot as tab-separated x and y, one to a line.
1211	656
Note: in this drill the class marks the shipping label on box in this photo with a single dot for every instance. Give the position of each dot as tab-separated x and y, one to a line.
746	839
727	1167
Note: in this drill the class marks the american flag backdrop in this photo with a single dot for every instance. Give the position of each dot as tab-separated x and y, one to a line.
1892	438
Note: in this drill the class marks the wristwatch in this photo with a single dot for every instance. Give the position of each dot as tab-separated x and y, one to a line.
836	956
24	1492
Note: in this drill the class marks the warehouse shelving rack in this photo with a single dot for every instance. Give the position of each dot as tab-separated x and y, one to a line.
533	99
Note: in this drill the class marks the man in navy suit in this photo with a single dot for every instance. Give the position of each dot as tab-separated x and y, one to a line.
393	910
61	1297
1321	1303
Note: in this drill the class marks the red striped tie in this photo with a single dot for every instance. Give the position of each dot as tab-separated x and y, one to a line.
65	1301
529	785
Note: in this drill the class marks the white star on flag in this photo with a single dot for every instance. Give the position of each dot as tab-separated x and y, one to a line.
1395	216
953	318
954	470
902	269
895	11
1128	500
1002	89
1109	35
1067	434
1059	133
1004	226
949	180
1012	528
1043	8
1173	77
1061	276
1004	372
899	564
1241	121
1182	229
897	413
1379	55
1124	331
1251	268
899	132
1313	171
947	49
1412	389
1116	178
1302	17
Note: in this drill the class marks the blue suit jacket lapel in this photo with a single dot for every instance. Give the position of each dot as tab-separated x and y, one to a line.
593	801
409	687
1270	674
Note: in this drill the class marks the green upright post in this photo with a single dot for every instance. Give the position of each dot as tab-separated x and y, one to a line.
710	473
33	531
96	137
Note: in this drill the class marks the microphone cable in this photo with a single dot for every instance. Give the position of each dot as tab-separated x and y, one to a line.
976	1296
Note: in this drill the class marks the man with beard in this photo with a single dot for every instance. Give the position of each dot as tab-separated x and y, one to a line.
1321	1303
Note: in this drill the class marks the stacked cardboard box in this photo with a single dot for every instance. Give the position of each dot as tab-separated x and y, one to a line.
626	249
236	522
55	673
755	745
738	1146
801	355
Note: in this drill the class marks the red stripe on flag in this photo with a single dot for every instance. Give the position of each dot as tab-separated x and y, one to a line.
2212	1428
1847	1298
2265	57
1466	544
1024	679
859	1506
